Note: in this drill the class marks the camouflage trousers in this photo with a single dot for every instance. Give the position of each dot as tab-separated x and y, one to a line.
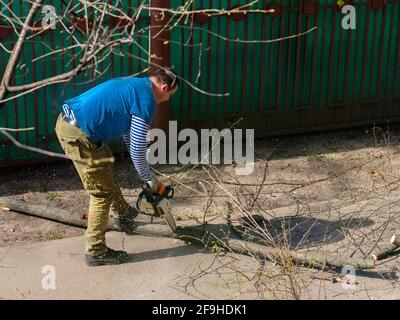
97	178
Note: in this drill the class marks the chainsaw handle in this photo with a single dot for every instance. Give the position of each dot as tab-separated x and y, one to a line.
168	191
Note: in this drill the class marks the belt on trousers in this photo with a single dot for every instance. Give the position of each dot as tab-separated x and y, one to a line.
69	120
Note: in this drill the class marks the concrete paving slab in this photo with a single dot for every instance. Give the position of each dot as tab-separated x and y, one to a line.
158	269
153	271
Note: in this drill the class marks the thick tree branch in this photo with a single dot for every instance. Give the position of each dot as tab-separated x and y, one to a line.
16	51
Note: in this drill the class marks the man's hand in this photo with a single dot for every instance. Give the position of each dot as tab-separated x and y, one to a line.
157	186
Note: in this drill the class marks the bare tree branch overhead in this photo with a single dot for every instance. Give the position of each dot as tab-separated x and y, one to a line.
97	29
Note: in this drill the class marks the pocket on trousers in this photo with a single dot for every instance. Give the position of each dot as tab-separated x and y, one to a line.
98	179
94	151
70	146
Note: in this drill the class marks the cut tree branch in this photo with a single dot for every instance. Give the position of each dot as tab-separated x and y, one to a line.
313	259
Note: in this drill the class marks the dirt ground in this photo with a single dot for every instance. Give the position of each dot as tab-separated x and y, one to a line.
315	179
350	164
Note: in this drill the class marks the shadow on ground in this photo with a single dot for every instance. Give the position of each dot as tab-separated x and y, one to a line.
305	232
184	250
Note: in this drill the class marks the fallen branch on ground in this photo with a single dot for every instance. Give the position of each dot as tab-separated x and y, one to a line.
199	234
395	240
388	250
65	217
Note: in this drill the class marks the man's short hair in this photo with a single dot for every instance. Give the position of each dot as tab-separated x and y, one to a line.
166	76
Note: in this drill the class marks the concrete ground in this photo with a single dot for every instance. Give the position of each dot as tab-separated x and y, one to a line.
166	268
155	268
158	269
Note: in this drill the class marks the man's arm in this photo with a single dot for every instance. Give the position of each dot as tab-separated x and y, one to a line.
136	143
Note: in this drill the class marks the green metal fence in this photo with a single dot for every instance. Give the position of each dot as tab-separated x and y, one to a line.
41	108
328	78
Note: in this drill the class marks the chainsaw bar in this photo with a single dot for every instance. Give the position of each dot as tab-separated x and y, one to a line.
157	205
168	218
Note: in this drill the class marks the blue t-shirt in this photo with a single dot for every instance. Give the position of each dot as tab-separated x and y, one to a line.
104	112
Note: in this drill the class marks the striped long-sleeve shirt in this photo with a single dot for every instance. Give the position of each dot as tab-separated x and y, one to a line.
136	144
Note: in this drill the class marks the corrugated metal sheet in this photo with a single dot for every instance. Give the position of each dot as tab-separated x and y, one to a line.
41	108
329	78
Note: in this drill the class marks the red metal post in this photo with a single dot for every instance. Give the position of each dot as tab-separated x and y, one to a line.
160	55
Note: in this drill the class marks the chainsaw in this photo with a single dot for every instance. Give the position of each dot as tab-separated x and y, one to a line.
157	205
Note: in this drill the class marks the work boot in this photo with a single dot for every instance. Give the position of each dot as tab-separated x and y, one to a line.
125	222
108	258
